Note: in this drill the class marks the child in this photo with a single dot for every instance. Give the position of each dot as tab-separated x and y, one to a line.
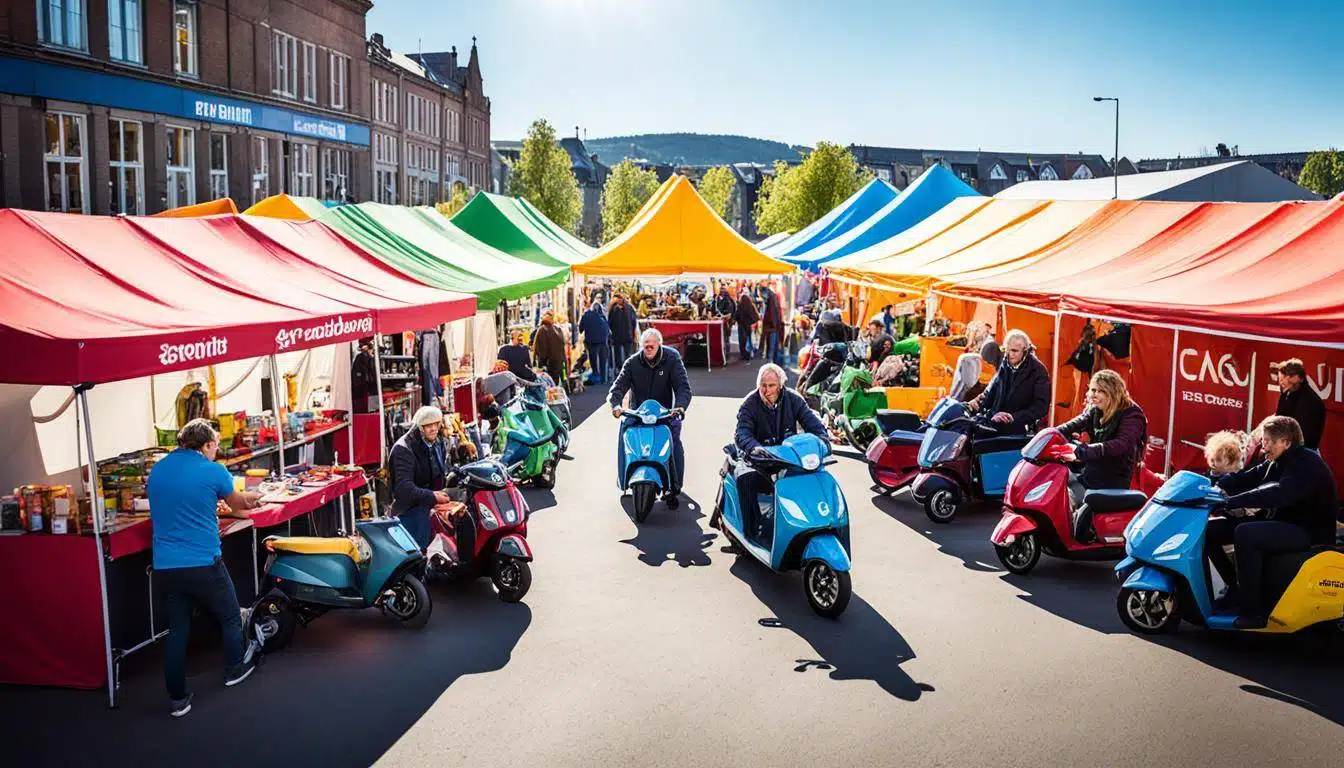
1223	453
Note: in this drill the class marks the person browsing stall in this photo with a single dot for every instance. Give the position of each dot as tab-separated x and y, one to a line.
596	336
1299	401
656	373
1294	493
419	466
518	356
624	325
1019	394
185	489
548	344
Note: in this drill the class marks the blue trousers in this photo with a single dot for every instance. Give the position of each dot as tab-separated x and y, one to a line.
599	356
773	353
620	352
416	523
744	340
210	588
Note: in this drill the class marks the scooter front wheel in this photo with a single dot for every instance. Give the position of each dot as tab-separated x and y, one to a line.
1022	555
1148	612
546	478
941	507
828	590
409	603
512	578
642	496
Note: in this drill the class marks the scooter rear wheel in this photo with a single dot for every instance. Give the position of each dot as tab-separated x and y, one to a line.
272	624
546	478
941	507
1148	612
642	496
828	590
1022	555
410	603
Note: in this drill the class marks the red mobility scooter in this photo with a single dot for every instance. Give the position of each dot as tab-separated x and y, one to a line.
893	457
486	535
1039	517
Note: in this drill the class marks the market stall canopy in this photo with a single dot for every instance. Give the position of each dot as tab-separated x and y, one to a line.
773	240
934	188
222	206
289	207
424	244
1266	270
1237	181
515	227
677	233
842	218
90	299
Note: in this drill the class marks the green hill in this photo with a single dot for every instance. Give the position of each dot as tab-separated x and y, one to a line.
691	149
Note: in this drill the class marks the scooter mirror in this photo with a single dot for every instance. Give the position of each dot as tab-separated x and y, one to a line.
451	480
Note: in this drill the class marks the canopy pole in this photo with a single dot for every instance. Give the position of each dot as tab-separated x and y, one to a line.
279	422
382	409
1054	367
1171	404
350	432
1250	403
99	525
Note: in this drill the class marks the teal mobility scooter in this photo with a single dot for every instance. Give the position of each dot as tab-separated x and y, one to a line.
801	524
307	576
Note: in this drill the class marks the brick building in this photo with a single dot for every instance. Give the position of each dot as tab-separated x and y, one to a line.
134	106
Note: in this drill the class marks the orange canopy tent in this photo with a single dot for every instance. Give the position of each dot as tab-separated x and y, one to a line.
294	208
223	205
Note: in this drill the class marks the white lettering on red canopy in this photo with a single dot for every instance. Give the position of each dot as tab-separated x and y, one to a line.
206	349
331	329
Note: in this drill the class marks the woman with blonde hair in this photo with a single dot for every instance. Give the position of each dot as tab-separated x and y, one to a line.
1116	431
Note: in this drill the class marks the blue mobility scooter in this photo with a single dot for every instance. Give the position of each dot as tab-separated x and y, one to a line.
962	459
801	523
307	576
644	461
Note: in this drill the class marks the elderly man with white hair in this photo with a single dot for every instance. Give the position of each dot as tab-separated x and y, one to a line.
1019	394
655	372
766	417
419	464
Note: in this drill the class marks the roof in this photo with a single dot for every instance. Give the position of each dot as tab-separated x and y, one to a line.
677	233
1239	181
205	290
839	220
517	228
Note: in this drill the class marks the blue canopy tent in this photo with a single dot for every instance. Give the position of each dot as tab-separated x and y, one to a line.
845	216
934	188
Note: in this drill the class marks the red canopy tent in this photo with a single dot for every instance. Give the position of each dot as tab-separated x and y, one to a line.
87	300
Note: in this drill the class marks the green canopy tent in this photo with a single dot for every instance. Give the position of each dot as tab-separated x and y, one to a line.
422	243
514	226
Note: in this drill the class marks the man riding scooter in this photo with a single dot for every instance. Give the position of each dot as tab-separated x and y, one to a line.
1295	493
1019	394
767	416
657	373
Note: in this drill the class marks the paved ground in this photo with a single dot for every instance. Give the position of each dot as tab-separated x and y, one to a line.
654	647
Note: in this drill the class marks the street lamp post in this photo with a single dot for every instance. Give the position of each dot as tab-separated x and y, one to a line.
1115	160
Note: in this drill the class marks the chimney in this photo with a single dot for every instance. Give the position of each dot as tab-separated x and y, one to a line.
576	132
378	39
453	59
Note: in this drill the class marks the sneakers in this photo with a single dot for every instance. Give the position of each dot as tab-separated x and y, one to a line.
671	500
181	706
239	672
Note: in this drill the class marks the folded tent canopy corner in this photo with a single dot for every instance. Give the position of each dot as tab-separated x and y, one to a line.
292	207
517	228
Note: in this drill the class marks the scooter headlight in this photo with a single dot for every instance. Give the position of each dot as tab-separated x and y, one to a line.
1169	546
647	419
792	509
488	518
1037	493
811	462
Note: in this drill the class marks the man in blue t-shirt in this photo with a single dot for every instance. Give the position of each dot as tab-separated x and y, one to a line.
185	489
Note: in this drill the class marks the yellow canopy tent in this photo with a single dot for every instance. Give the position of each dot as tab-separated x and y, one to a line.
677	233
288	207
211	208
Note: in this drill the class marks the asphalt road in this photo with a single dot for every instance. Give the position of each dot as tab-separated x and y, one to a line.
651	646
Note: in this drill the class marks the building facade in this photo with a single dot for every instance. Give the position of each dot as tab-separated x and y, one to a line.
137	106
988	172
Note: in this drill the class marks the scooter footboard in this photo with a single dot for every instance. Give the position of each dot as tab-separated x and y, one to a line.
827	548
1010	525
1151	578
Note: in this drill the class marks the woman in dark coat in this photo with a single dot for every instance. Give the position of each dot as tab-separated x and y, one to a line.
1117	433
746	316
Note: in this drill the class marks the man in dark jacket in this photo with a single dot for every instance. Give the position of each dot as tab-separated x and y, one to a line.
624	326
1299	401
656	373
1019	393
418	465
596	334
832	330
364	379
766	417
548	344
772	326
746	316
518	356
1295	493
723	303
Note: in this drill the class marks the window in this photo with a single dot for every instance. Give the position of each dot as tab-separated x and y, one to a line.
184	38
301	162
422	174
996	173
335	174
128	169
339	78
1047	173
384	102
285	70
61	22
454	121
65	177
261	169
309	72
123	31
1083	172
385	168
452	168
219	166
181	167
1021	176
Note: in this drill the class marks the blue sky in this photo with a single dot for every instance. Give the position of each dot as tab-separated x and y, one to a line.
962	74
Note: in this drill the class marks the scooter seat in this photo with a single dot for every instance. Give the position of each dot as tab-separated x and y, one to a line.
890	421
1117	500
315	545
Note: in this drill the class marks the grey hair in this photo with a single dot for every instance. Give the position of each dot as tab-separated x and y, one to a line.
196	433
651	333
771	368
1018	333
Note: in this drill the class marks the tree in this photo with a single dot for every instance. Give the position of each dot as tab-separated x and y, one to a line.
717	186
628	188
799	195
544	178
1323	173
457	202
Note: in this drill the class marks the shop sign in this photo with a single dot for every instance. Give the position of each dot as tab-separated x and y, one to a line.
205	349
223	111
333	329
322	129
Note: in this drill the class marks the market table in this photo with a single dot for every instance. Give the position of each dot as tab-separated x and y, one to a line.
53	605
675	331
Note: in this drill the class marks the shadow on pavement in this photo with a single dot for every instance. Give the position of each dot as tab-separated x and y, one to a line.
1297	670
860	645
538	498
300	708
670	535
